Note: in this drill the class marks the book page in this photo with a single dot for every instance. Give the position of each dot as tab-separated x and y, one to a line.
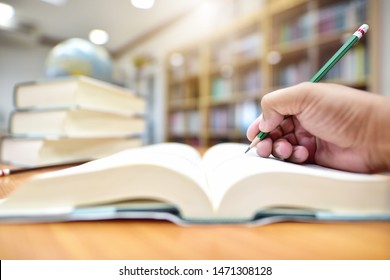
166	154
167	172
216	159
246	182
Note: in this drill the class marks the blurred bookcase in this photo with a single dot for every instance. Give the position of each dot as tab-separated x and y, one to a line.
214	87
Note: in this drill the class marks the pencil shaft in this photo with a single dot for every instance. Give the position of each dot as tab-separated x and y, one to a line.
334	59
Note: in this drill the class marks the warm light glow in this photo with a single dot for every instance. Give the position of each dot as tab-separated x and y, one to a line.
143	4
208	9
274	57
176	59
98	37
6	12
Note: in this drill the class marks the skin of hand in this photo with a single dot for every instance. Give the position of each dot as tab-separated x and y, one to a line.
326	124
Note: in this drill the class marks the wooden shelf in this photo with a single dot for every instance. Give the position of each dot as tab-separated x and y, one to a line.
231	70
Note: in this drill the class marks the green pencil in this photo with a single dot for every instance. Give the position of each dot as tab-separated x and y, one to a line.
323	71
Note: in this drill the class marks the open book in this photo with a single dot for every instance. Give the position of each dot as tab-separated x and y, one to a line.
172	181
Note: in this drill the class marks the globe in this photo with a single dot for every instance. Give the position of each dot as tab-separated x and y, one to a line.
77	56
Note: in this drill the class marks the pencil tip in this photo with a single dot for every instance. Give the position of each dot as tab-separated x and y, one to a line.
247	150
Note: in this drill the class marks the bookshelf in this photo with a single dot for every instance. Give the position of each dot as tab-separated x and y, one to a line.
214	87
184	100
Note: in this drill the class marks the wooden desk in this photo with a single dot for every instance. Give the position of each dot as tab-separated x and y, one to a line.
163	240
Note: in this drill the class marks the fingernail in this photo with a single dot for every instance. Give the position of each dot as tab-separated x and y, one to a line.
277	150
261	123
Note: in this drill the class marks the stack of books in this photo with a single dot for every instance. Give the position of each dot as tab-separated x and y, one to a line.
73	119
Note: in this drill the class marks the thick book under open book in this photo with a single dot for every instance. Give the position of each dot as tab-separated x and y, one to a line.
172	181
35	152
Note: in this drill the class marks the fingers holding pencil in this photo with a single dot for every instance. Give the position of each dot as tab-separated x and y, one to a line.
265	127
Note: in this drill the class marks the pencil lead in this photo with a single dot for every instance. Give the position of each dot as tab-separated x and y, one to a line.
247	150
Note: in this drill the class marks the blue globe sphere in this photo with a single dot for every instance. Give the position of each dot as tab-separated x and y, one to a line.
76	57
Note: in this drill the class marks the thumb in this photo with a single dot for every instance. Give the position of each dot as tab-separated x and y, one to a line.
283	102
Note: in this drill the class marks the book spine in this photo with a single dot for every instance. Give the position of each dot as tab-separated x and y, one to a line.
10	121
16	90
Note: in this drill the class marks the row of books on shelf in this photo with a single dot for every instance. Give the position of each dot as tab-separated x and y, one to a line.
247	46
72	119
222	89
177	92
222	119
182	65
233	117
179	98
192	63
177	73
340	16
247	82
353	68
293	73
185	122
335	17
299	28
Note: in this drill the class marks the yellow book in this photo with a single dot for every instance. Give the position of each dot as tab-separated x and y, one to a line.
172	181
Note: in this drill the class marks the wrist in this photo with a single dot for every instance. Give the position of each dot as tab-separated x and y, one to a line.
381	133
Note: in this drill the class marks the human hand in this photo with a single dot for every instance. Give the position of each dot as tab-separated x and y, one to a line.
326	124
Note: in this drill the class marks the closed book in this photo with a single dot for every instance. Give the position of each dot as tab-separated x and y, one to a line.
74	122
48	151
77	91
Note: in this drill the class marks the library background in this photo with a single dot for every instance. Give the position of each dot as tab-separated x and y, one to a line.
203	80
214	88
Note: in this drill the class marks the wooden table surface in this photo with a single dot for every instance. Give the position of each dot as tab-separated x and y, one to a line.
141	239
